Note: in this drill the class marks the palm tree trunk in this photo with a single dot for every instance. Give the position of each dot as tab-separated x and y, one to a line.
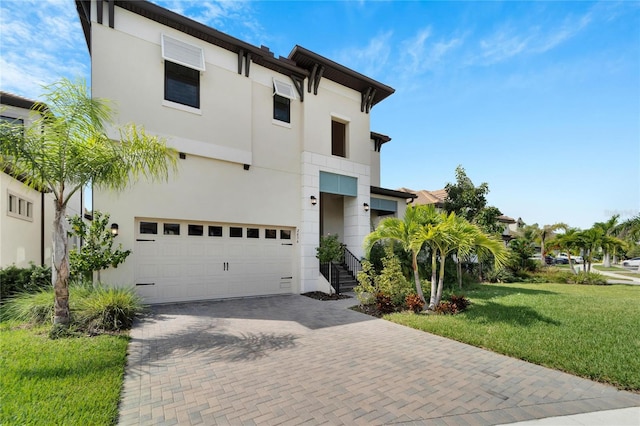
459	271
606	260
440	281
416	277
432	298
60	270
573	269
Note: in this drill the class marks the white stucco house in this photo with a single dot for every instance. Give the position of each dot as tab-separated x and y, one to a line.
274	153
26	219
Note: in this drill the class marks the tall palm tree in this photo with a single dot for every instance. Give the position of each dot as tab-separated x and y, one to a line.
66	148
542	234
629	231
404	231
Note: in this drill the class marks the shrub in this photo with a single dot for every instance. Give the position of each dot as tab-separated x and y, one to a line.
414	303
366	288
390	281
14	280
109	309
33	308
330	250
454	305
92	309
384	303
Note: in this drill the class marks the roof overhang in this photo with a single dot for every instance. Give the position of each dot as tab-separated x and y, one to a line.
318	66
392	193
10	99
258	55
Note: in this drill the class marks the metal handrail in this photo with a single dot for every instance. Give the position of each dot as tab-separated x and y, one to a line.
351	262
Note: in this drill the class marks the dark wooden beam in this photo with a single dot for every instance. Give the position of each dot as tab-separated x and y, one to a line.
317	82
298	83
112	13
247	64
364	97
100	8
312	78
240	56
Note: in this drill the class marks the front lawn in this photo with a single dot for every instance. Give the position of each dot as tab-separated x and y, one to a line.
589	331
70	381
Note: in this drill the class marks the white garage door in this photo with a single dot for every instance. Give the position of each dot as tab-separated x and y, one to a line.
181	261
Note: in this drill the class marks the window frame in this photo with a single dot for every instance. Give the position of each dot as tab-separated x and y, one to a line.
178	73
339	138
19	207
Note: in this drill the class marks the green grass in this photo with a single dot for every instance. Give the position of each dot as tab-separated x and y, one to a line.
71	381
589	331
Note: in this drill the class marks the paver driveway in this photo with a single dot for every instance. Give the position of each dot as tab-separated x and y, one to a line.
294	360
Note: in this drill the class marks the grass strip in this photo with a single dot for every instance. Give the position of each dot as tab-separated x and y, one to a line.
71	381
588	331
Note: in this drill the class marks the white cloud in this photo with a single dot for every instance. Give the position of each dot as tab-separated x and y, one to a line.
371	59
41	42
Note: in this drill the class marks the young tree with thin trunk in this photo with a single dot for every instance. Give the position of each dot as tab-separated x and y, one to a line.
65	149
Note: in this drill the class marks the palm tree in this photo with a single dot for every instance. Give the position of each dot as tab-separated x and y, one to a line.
67	148
629	231
456	234
567	241
609	228
542	234
404	231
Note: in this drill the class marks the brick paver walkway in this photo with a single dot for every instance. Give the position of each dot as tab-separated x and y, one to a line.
293	360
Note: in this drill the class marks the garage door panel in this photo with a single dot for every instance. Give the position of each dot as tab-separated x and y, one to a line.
197	267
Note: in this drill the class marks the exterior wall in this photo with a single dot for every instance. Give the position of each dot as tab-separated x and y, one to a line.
233	127
375	166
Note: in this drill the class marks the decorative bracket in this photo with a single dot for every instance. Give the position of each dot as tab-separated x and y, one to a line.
316	76
298	83
247	62
367	100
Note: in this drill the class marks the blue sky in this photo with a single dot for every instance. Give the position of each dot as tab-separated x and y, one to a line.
541	100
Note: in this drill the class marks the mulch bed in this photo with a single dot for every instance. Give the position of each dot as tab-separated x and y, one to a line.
319	295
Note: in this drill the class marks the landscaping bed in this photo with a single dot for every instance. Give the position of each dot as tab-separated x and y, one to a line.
320	295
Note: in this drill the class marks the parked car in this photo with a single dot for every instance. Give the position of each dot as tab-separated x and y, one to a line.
635	262
564	259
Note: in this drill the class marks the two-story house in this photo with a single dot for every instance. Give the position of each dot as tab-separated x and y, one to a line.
26	214
274	153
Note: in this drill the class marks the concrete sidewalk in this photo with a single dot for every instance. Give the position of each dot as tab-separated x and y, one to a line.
293	360
617	278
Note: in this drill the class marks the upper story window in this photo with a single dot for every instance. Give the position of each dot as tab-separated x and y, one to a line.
281	109
181	84
182	66
283	94
338	138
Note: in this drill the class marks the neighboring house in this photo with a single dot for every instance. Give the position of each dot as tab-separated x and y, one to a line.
425	197
26	219
274	153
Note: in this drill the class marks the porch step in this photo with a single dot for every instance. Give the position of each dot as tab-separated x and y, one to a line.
347	281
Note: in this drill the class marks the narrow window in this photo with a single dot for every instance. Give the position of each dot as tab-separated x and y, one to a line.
29	209
235	232
171	229
338	139
281	108
21	207
12	203
285	234
196	230
270	234
253	233
215	231
181	84
148	228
